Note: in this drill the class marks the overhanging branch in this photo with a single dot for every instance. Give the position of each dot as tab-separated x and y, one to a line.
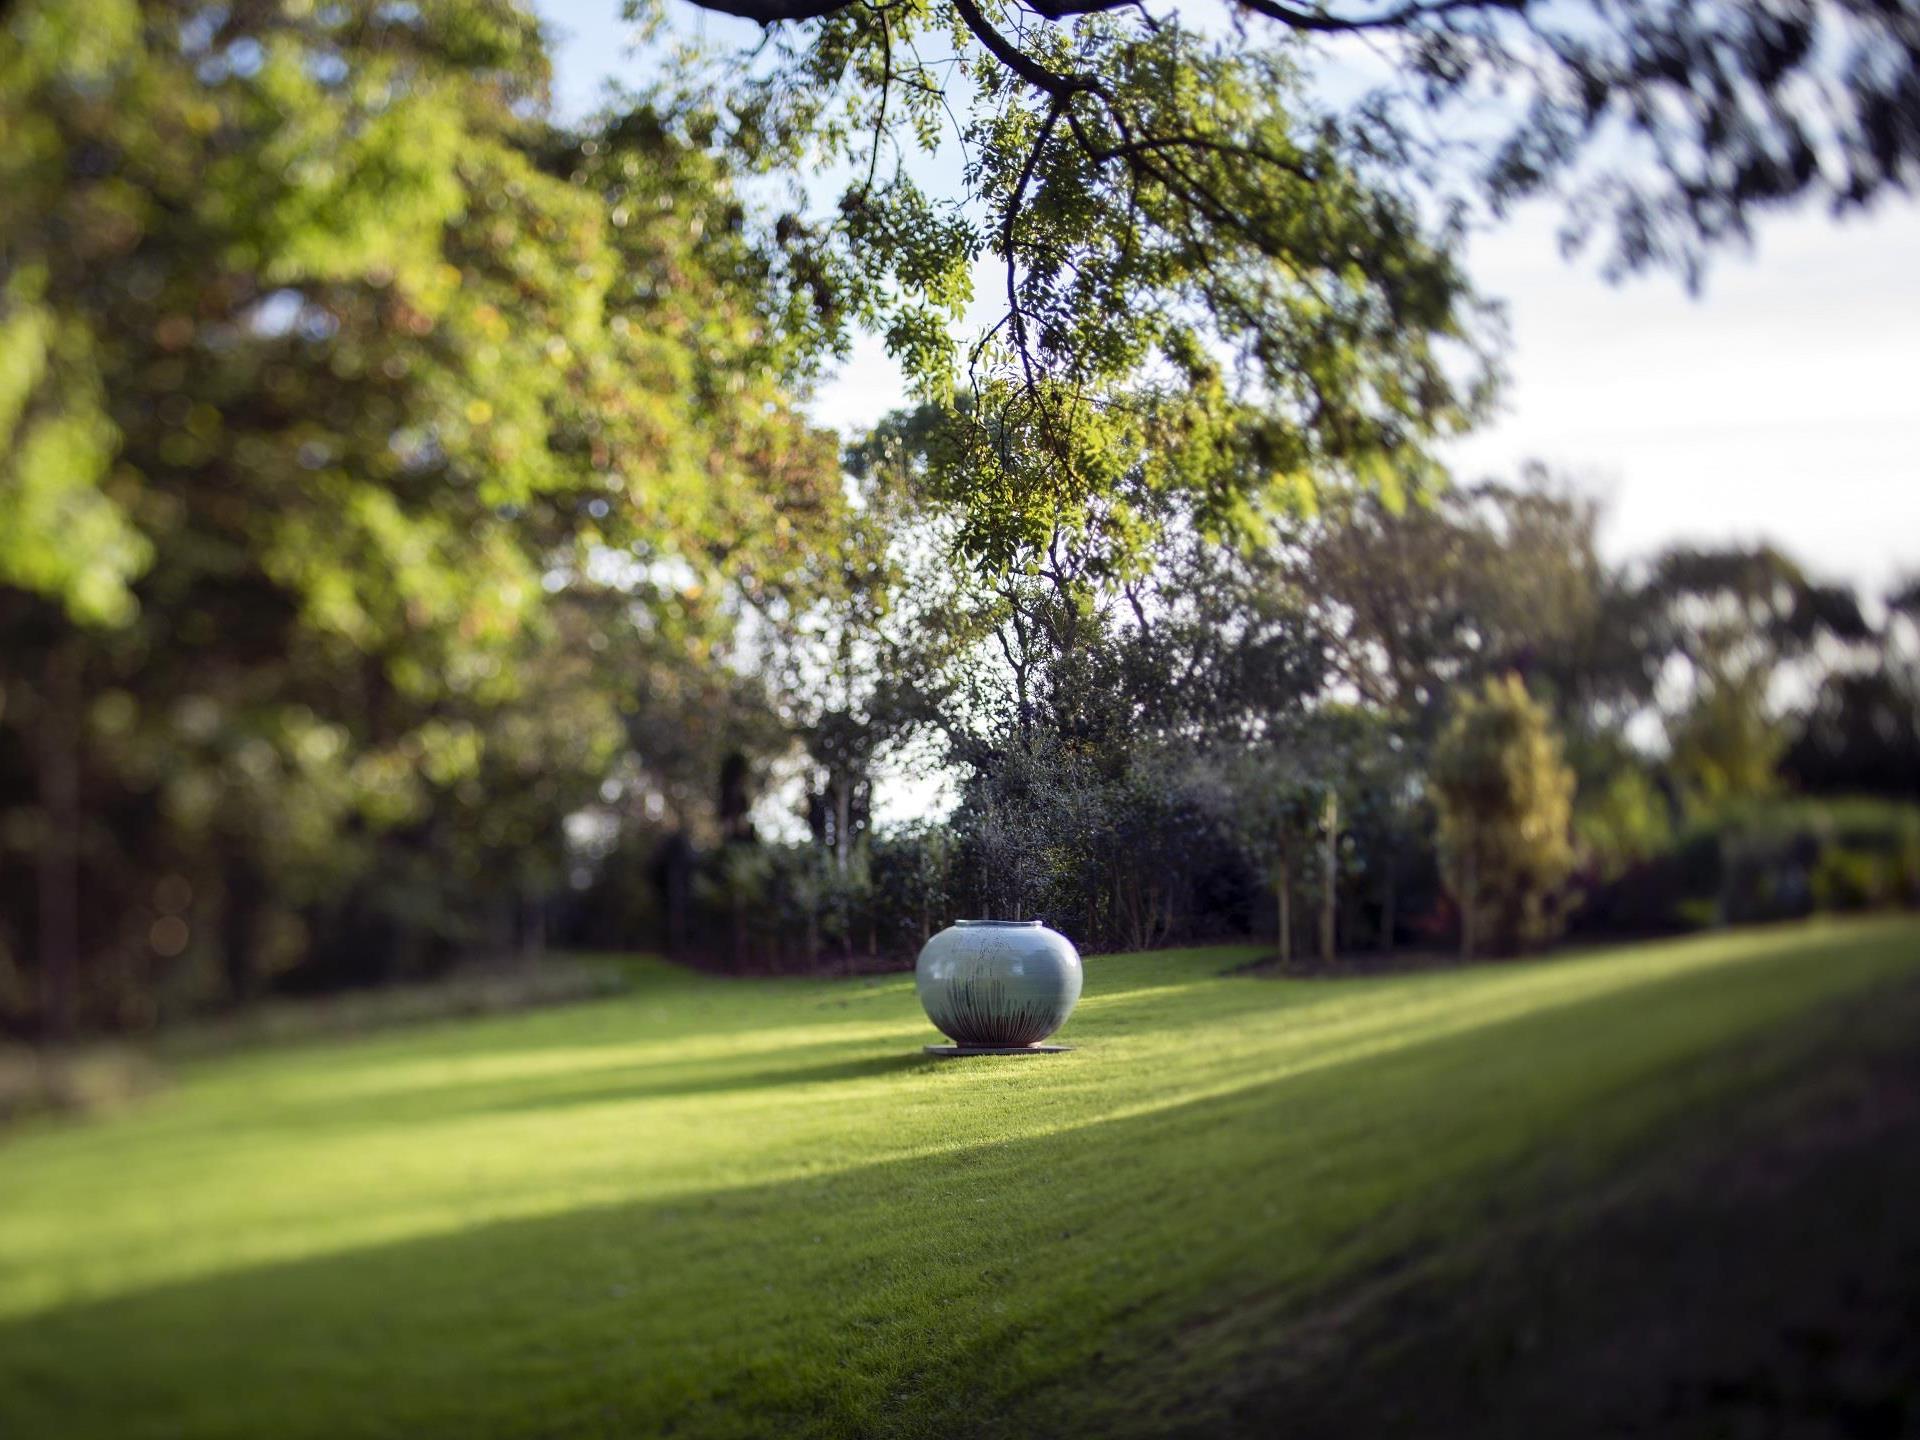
1294	17
773	12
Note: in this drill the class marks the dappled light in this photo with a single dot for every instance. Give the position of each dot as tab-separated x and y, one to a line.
585	582
340	1147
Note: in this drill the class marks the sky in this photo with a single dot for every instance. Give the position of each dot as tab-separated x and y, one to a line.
1780	405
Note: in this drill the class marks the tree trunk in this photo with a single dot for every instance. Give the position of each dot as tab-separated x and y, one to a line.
1283	896
676	870
1387	916
240	908
1469	900
58	863
536	939
842	821
1330	894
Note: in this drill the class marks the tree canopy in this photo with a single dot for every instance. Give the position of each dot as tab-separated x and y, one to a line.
369	449
1217	276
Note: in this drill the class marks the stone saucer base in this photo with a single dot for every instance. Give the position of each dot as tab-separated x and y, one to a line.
956	1052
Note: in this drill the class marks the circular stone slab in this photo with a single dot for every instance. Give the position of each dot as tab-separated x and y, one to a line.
956	1052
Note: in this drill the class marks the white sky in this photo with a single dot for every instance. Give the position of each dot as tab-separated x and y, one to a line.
1780	405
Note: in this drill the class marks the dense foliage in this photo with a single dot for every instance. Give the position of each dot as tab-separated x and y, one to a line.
1666	124
1504	798
1202	287
1204	273
374	455
1289	740
413	545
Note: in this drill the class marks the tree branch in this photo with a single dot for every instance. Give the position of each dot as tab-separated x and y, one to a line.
773	12
776	12
1014	203
1297	17
886	89
1061	87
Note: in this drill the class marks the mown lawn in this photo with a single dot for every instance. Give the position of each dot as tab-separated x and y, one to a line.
751	1207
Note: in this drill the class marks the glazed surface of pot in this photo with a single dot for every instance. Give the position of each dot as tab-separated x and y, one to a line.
998	982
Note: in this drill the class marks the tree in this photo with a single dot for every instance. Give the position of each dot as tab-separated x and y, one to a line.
1505	803
356	429
1734	620
1711	113
1727	744
1113	688
1208	292
858	669
1321	794
1861	735
1203	263
1382	823
1444	590
1271	805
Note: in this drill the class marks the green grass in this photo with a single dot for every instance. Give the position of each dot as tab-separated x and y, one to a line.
751	1207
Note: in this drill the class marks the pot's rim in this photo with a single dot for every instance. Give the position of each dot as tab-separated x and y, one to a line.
1010	924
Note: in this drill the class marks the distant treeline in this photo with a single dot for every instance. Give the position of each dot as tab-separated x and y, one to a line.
1320	744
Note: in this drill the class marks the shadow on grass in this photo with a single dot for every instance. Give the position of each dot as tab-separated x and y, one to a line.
704	1004
1168	996
861	1302
429	1080
1002	1287
615	1090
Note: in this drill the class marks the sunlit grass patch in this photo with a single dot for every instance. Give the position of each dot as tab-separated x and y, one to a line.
741	1207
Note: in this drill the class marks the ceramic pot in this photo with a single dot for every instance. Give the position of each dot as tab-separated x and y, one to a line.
998	982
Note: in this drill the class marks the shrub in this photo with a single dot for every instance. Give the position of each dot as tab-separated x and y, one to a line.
1769	860
1504	796
1621	820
